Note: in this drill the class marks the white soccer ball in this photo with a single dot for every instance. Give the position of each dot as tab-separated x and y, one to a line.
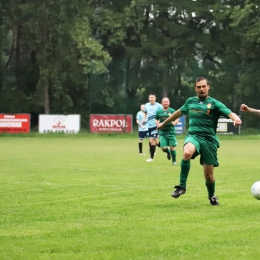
255	190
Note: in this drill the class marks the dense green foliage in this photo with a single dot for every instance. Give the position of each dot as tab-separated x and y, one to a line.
106	56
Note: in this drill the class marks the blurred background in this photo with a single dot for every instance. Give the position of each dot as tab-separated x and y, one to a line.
105	57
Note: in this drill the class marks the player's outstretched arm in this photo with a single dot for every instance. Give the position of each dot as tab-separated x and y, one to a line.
245	108
176	121
172	117
236	119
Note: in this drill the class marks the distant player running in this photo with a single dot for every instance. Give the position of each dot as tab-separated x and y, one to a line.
142	129
201	138
167	134
150	110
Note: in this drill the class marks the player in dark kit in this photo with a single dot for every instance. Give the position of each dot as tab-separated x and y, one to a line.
201	138
167	134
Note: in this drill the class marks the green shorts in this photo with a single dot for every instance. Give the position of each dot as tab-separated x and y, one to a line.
167	140
207	149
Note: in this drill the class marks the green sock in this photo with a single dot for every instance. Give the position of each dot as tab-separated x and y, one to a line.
210	188
185	168
173	153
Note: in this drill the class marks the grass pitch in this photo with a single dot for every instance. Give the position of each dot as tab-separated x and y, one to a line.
95	197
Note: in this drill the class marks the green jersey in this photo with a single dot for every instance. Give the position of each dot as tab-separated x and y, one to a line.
161	115
203	116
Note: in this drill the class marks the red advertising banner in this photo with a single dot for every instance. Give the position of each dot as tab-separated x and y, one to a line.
15	123
111	123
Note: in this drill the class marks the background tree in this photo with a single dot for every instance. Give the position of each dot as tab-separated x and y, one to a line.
55	51
98	56
246	21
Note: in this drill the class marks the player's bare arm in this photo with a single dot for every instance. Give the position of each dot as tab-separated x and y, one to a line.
139	123
175	122
236	119
255	111
144	117
245	108
173	117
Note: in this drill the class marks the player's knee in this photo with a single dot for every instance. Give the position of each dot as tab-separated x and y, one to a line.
209	177
187	155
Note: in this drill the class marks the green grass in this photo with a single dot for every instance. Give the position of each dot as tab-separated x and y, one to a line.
94	197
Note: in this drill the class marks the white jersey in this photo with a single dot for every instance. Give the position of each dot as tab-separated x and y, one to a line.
151	110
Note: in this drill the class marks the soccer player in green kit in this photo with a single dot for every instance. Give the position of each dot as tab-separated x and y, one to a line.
201	139
167	134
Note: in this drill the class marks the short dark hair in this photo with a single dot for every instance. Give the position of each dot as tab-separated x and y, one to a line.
200	79
152	94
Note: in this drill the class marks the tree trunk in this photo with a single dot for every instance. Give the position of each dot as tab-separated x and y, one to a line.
164	93
46	98
18	56
1	54
43	87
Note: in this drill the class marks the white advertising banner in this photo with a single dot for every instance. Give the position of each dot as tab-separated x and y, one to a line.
69	124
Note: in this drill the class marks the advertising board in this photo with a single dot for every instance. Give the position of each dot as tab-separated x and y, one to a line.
15	123
67	124
107	123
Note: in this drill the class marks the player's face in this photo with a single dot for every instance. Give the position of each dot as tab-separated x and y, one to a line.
165	103
142	107
152	99
202	89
